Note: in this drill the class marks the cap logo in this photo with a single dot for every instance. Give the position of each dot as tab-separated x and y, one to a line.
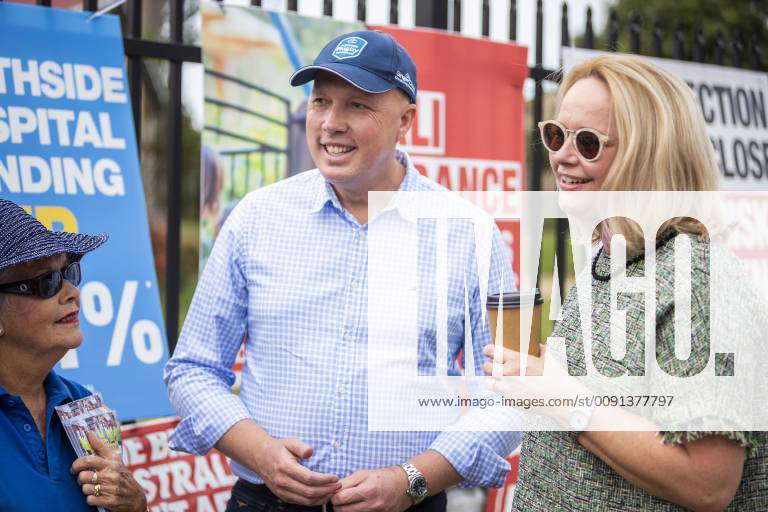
349	48
405	79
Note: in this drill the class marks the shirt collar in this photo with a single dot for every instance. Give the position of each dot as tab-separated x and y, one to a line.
55	390
324	192
404	204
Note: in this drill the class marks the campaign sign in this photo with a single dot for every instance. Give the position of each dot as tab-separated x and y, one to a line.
175	481
468	131
68	156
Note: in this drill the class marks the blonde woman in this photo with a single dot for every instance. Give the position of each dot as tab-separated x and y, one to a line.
623	124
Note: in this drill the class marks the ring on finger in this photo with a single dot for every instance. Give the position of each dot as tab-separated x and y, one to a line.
95	478
97	490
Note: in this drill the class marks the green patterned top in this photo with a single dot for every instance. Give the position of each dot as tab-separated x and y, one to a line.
557	473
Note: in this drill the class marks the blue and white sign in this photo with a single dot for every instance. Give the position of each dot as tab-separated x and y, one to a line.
68	155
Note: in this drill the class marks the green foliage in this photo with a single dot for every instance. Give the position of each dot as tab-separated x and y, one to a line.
742	19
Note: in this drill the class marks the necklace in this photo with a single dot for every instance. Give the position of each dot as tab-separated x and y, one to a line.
607	277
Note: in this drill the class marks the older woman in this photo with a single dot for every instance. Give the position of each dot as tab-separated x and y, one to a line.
39	307
624	124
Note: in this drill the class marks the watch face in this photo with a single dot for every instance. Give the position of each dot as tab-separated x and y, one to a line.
579	420
419	486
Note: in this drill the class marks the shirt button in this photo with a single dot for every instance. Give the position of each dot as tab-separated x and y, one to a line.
340	388
336	445
27	427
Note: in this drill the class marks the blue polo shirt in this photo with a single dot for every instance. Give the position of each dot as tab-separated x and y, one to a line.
34	476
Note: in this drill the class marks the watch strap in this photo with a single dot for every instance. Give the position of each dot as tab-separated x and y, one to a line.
413	473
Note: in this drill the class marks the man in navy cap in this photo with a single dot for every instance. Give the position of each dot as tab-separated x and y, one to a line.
289	271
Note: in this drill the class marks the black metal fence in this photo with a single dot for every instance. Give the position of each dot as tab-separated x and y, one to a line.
431	13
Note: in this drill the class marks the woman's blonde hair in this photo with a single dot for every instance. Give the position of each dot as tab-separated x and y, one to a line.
662	140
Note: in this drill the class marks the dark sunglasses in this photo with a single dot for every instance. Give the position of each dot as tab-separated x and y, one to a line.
45	285
589	143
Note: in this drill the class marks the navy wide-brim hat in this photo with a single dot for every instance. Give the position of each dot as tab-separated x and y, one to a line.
370	60
23	238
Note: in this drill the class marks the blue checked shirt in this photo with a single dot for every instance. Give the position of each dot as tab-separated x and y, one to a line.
289	270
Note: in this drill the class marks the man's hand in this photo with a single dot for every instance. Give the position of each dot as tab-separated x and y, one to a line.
279	467
381	490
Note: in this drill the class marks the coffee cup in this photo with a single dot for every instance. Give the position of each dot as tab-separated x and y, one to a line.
508	307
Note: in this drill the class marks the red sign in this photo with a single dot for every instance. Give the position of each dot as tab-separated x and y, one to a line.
175	481
500	500
469	128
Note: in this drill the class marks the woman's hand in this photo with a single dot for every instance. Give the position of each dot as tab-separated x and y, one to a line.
510	361
117	490
545	388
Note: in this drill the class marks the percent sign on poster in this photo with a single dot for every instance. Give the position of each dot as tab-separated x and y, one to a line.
98	309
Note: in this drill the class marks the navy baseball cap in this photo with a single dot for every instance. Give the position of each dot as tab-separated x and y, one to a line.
370	60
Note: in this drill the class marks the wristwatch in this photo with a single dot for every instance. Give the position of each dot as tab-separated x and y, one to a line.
579	418
417	484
